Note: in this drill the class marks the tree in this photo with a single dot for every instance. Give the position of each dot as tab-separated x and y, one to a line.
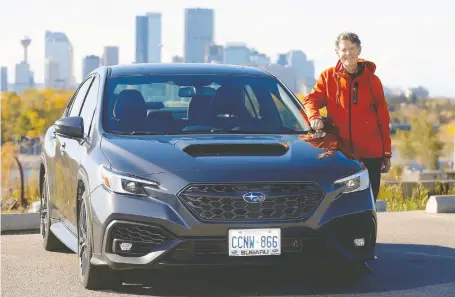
31	113
322	111
421	143
11	111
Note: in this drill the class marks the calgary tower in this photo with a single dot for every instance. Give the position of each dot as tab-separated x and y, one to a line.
25	43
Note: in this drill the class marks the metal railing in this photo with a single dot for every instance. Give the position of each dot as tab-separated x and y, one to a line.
21	202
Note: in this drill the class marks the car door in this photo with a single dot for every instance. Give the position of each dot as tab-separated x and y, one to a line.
76	152
62	171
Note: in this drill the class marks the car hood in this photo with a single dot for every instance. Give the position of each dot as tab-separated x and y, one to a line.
233	158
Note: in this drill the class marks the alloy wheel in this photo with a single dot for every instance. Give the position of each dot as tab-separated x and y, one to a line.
83	256
43	211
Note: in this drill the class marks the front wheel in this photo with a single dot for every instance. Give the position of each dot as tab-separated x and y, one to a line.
91	276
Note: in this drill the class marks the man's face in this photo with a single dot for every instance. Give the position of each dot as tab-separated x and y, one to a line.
348	52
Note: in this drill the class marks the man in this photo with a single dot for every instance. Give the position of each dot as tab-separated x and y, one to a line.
354	98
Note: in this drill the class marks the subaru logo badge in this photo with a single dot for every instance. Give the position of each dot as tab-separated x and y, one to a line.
254	197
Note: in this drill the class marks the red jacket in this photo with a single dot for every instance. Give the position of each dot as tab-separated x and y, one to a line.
356	106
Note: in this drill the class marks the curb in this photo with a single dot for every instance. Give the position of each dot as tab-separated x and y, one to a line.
381	206
441	204
20	221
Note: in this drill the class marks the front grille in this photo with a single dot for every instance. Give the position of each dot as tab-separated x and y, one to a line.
139	233
224	202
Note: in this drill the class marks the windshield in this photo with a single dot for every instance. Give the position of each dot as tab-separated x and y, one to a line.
185	104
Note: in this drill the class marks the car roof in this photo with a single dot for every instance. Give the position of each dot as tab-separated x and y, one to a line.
184	68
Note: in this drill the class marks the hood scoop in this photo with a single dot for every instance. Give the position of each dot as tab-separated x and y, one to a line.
236	149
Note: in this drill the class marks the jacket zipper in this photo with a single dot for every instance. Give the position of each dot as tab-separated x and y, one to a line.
356	92
350	116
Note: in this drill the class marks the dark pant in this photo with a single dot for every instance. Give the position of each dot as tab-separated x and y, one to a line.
374	171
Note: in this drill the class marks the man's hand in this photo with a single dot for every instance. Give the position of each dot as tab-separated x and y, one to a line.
386	164
317	124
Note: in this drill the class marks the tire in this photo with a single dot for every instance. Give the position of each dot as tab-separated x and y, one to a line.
50	241
91	276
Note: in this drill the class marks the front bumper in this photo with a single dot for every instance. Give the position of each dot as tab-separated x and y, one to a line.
165	233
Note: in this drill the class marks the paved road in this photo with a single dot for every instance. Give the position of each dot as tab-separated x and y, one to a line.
416	257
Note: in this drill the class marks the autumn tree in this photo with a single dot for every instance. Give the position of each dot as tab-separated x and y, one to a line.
421	143
31	113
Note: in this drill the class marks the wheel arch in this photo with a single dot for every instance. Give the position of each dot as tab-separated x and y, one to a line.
83	185
42	173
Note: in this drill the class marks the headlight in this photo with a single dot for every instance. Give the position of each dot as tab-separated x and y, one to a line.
357	182
125	184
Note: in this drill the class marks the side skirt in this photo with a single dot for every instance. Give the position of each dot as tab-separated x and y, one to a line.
64	235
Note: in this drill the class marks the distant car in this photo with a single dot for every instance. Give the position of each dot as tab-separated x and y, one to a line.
154	165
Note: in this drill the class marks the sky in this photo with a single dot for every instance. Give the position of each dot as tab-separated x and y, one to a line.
411	42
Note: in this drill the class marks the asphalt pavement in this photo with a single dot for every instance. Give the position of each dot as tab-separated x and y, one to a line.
416	257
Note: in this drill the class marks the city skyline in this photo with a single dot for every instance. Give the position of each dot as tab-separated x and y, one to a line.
382	31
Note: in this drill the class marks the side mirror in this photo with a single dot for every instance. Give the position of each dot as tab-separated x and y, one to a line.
70	127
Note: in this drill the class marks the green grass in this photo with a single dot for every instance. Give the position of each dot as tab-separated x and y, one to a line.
398	198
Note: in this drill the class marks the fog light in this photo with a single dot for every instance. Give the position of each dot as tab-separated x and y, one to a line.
359	242
131	186
126	246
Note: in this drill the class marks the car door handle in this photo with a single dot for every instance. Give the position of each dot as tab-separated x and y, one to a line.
63	146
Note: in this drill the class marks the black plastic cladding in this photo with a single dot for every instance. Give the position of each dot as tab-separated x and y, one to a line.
225	203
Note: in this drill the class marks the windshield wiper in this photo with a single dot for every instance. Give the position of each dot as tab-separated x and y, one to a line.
215	130
292	131
138	133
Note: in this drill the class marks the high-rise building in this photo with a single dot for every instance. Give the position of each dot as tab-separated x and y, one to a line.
141	39
110	55
59	50
282	59
303	68
3	79
298	61
236	54
89	64
258	59
285	74
154	37
148	38
51	74
214	54
199	33
24	77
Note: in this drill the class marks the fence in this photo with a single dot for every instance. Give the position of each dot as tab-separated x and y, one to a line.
20	184
13	186
30	149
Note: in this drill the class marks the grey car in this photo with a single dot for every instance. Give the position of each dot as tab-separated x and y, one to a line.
157	165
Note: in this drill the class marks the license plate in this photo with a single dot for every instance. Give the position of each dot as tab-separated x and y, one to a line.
254	242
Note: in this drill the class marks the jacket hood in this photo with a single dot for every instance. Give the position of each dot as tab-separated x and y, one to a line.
367	68
367	65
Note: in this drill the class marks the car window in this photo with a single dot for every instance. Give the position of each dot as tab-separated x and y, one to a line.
185	104
251	102
89	106
77	102
286	114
